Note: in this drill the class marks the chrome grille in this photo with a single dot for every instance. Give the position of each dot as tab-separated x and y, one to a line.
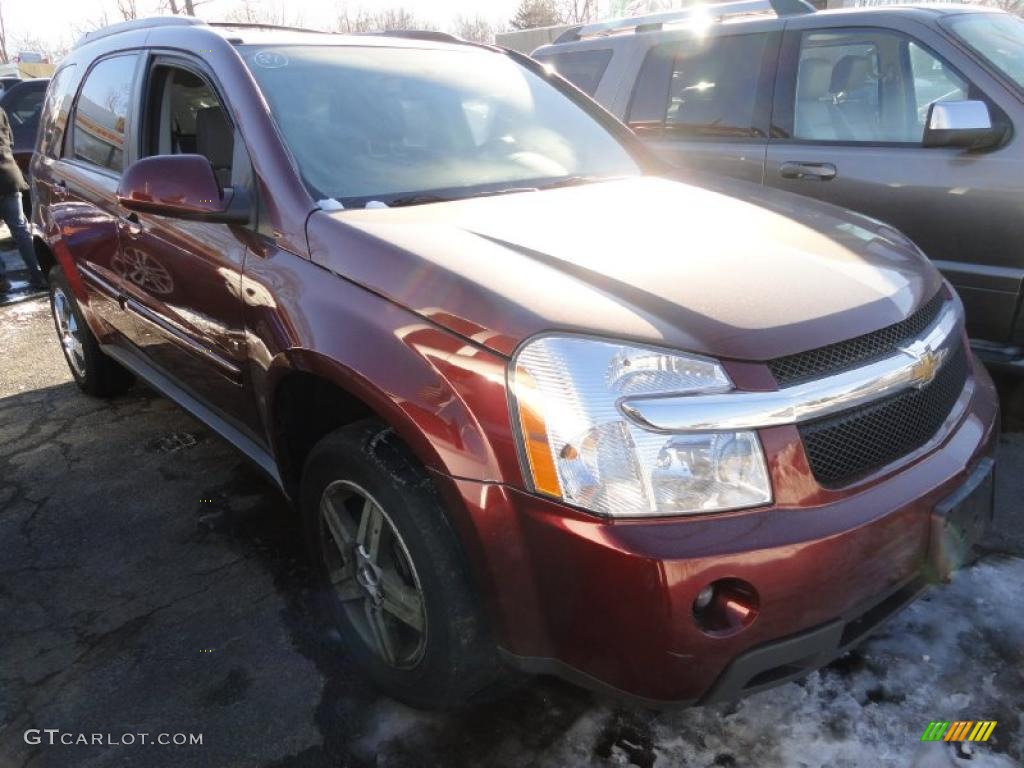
823	361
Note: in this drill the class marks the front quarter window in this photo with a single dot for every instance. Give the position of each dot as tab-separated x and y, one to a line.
383	123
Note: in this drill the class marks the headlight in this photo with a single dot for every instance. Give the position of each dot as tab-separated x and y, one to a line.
582	449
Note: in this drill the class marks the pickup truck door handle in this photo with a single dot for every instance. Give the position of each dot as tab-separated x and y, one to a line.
808	171
60	190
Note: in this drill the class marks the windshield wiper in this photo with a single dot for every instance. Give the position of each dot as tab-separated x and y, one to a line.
572	181
423	199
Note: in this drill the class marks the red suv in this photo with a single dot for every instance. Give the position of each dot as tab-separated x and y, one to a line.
538	404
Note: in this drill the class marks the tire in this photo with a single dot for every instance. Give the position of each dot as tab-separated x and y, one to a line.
94	372
363	472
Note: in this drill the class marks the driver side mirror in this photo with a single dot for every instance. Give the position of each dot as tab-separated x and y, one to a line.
183	187
965	124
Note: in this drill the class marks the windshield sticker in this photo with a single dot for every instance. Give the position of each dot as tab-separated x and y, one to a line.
270	60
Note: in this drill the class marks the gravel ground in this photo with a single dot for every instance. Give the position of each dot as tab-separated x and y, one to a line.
152	582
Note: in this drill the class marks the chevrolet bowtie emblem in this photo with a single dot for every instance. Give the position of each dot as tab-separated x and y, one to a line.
927	362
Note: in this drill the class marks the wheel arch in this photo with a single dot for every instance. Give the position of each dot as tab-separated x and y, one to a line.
311	395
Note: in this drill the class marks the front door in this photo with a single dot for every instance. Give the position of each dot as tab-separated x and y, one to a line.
848	122
182	278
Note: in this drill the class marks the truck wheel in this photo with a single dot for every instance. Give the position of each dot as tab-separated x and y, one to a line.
392	575
94	372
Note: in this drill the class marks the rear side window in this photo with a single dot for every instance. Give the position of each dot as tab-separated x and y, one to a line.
584	69
54	116
701	87
101	113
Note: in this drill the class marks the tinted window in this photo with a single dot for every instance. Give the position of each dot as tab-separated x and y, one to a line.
868	86
101	113
22	107
699	88
55	111
584	69
382	123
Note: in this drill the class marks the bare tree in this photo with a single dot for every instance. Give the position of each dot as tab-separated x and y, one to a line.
474	28
387	20
580	11
255	12
182	7
128	9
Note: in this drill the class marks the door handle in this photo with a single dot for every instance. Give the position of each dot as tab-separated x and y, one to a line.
60	190
130	221
808	171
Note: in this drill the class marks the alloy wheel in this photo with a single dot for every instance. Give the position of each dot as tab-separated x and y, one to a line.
372	574
68	332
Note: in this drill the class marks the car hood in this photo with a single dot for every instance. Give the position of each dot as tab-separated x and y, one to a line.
647	258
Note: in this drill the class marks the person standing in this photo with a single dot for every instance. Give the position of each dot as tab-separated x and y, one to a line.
12	184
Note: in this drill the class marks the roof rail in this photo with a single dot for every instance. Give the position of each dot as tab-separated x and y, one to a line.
655	21
257	25
419	34
146	23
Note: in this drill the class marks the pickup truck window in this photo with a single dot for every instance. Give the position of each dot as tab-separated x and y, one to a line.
868	85
702	92
383	124
584	69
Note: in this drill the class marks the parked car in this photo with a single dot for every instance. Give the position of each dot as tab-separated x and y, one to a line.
533	400
23	104
910	115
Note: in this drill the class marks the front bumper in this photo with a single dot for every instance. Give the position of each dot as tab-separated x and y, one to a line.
609	604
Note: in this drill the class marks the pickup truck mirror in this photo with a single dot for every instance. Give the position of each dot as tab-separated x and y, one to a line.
182	186
965	124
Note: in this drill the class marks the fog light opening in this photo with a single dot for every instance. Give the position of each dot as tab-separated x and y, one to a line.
725	607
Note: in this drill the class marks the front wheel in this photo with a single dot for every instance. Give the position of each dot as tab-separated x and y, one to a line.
393	578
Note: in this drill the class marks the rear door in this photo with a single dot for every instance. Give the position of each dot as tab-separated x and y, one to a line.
80	189
848	123
703	101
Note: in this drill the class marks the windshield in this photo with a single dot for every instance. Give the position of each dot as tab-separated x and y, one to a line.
408	125
996	37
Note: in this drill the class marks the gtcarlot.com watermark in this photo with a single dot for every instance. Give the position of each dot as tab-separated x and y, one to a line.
55	736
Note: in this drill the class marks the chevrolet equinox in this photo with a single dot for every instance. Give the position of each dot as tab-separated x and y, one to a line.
539	405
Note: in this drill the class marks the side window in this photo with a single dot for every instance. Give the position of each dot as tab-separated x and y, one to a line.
867	85
933	81
186	117
101	113
54	116
713	90
584	69
23	107
697	88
